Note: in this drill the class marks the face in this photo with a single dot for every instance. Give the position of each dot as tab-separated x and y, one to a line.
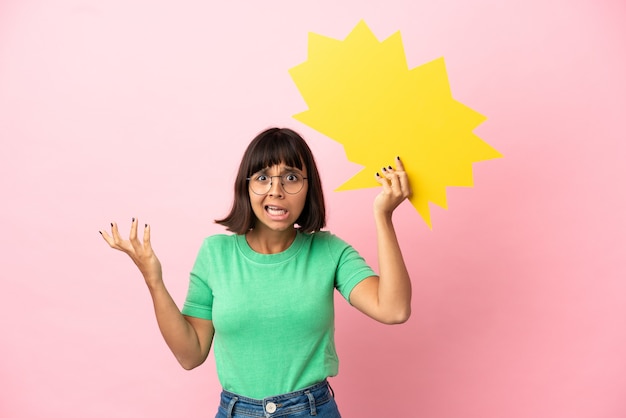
277	210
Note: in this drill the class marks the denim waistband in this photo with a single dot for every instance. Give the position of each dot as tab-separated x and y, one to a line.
308	398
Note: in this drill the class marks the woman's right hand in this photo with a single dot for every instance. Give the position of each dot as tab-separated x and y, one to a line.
189	338
140	252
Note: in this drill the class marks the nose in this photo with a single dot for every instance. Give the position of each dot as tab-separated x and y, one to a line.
276	188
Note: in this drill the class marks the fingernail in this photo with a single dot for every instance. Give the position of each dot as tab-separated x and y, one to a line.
384	169
377	175
111	223
146	225
133	220
100	232
398	158
390	168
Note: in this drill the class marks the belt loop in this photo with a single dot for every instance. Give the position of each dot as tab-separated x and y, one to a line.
231	405
311	402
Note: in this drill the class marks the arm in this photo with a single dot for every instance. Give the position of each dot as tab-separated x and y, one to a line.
387	298
188	338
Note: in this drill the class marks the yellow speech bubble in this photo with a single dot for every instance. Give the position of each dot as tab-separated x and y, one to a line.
361	93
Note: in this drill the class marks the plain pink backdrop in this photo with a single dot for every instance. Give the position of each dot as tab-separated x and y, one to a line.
115	109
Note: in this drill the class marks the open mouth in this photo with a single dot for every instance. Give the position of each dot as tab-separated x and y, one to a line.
275	211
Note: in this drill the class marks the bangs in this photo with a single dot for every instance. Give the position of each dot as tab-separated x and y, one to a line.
272	147
274	150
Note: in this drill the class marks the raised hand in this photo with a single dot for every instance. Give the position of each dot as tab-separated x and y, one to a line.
139	251
189	338
396	188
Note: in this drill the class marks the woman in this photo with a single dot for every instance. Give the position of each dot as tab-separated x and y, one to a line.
263	295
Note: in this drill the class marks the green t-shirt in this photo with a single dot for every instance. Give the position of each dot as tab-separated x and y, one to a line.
273	313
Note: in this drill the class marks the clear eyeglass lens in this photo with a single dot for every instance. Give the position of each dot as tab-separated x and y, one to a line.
292	183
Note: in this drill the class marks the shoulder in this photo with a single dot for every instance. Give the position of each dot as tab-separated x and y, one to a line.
218	241
327	240
216	250
327	236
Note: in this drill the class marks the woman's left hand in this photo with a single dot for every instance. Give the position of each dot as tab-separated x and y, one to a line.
396	188
386	297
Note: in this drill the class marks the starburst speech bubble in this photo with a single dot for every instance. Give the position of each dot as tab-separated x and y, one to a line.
361	93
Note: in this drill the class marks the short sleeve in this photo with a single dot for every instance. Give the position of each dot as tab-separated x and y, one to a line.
199	301
351	267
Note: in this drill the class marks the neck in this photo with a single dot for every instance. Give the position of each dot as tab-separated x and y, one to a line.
270	242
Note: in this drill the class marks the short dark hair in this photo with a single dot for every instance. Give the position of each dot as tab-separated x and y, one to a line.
271	147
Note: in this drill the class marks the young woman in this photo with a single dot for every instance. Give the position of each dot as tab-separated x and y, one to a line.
263	295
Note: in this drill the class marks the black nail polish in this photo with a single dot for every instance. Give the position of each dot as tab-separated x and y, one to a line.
377	175
390	168
111	223
398	158
146	225
133	220
100	232
384	169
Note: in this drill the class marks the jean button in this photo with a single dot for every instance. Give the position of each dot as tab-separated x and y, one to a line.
270	407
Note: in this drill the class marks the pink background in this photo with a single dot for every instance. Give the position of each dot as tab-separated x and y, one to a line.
114	109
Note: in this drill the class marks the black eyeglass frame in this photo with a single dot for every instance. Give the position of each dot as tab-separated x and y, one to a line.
282	184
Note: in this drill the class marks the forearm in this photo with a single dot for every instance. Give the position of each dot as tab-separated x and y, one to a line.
189	339
179	334
394	286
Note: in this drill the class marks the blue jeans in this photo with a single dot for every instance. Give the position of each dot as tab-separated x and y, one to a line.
316	400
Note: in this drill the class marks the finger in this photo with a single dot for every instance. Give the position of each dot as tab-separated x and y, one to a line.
396	184
113	240
115	233
146	237
405	185
133	235
393	177
107	238
399	164
403	179
388	172
383	181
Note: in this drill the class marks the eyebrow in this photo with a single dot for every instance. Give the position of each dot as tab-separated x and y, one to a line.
285	169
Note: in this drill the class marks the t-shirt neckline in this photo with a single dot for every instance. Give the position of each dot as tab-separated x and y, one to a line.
249	253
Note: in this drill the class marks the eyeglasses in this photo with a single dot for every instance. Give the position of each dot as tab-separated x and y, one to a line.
262	184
